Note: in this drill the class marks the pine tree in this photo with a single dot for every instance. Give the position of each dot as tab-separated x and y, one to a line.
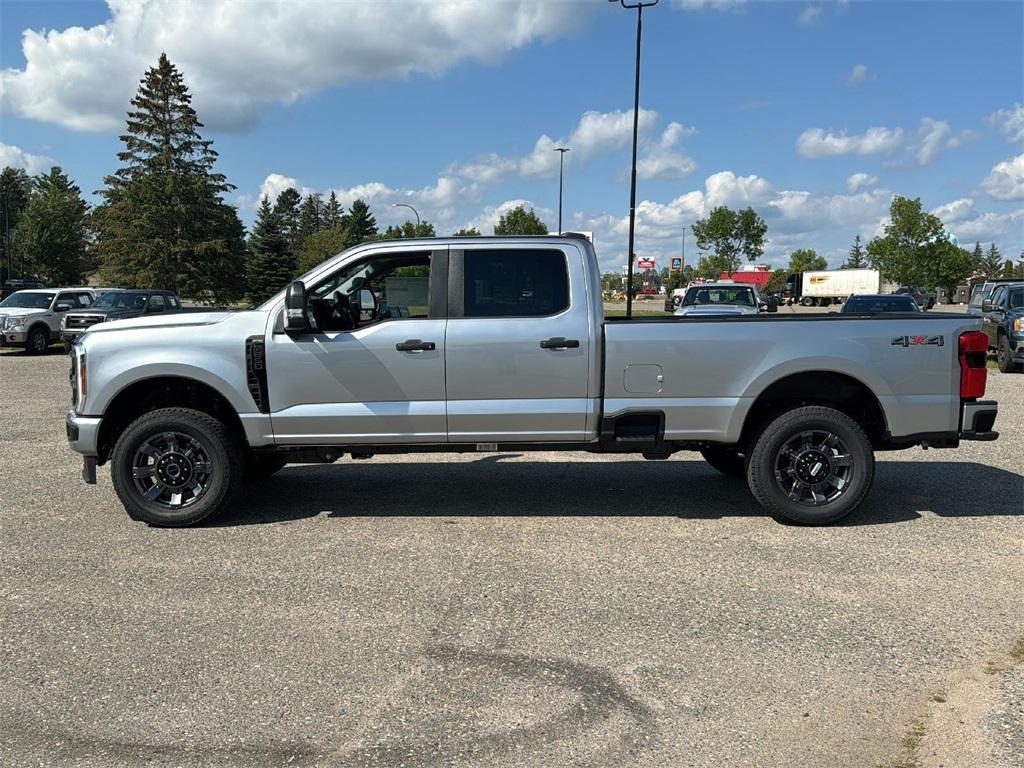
362	226
163	222
978	258
311	218
1008	269
992	262
520	221
334	216
270	263
287	209
15	191
409	229
51	234
858	258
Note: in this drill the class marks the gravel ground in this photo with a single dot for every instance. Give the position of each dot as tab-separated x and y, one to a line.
501	610
1007	719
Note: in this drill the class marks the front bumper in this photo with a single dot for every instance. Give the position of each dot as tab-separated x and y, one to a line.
70	334
13	338
977	420
83	433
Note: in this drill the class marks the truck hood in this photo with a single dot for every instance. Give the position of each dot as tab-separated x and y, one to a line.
22	311
705	310
116	313
171	320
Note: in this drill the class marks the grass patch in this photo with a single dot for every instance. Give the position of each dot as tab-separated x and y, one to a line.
637	313
911	744
1017	652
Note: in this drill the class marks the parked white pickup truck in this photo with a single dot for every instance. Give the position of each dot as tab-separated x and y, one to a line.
494	344
31	318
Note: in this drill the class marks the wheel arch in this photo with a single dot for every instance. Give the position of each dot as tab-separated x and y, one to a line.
842	391
149	394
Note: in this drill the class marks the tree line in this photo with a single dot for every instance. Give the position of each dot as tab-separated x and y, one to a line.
914	249
163	221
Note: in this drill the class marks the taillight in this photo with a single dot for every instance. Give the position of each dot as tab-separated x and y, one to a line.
973	370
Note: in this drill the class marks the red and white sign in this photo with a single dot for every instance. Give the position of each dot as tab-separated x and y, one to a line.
644	263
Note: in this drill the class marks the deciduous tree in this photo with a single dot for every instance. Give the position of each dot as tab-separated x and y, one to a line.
467	232
321	246
520	221
408	230
730	235
806	260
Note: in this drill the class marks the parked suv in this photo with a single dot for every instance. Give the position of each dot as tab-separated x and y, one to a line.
118	304
31	318
1003	321
16	284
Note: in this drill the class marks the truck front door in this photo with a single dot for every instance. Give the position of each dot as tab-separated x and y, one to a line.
518	347
370	369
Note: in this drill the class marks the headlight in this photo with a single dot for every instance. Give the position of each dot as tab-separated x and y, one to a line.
1018	325
17	322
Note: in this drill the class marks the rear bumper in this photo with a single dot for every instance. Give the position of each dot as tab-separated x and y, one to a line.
977	420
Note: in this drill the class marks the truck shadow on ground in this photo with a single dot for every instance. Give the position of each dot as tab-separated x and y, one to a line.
497	486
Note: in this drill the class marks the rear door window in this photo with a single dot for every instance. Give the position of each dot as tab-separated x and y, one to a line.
515	283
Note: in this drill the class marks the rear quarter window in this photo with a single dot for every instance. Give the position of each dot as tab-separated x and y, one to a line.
515	283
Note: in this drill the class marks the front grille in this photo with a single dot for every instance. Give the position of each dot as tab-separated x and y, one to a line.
82	321
3	322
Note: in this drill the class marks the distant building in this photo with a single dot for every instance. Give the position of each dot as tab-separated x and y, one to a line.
752	274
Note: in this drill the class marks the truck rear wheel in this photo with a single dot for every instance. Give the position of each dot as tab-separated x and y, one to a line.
1004	355
37	341
727	461
811	466
175	467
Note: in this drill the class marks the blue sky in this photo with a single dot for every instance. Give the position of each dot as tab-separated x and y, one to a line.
813	113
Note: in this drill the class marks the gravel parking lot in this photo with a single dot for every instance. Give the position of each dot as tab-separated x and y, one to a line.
499	610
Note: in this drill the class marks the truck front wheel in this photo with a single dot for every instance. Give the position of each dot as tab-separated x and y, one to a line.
175	467
811	466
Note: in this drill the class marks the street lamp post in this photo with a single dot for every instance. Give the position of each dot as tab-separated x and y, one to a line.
636	116
406	205
561	165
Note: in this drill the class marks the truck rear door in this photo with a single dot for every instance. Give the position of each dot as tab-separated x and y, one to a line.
518	345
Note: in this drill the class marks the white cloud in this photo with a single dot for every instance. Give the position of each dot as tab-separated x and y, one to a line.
238	58
1009	122
858	181
858	74
16	157
484	221
815	143
275	184
1006	179
933	136
663	160
963	219
809	15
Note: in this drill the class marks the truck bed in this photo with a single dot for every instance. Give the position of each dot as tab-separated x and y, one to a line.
704	373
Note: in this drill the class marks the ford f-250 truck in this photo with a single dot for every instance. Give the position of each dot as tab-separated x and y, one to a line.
496	344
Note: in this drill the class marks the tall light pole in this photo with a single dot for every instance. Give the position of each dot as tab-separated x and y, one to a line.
636	117
561	165
406	205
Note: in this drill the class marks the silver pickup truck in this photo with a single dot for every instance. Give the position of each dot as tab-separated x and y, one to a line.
497	344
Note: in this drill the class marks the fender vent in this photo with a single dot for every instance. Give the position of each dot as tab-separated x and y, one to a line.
256	372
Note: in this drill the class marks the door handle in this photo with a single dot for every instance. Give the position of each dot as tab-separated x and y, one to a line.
559	342
415	345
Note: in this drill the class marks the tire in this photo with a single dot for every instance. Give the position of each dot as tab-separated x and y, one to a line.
1004	356
37	341
261	466
727	461
807	301
785	467
203	451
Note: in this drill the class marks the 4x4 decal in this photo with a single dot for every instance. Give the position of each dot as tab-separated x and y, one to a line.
917	341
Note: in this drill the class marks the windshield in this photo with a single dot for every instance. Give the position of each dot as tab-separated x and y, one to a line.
23	300
716	296
866	305
121	301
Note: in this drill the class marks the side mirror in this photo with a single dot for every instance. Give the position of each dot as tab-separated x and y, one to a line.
295	320
366	300
773	304
62	307
987	305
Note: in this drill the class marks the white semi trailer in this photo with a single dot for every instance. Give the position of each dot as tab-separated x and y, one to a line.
822	288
